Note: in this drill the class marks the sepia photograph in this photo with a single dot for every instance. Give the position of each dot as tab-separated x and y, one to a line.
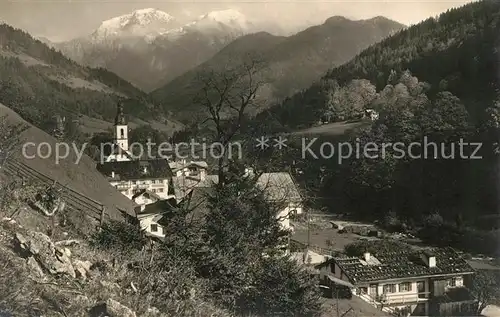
249	158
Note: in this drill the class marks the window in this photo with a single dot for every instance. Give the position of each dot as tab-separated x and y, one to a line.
452	282
160	190
390	288
405	287
332	268
122	133
154	227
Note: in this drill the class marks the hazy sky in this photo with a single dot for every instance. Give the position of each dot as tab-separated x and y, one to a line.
66	19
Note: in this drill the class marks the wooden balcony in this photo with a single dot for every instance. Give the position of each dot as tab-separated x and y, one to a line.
401	298
123	186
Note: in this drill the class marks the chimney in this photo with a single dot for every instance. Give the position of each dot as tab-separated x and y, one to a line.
429	258
203	174
367	256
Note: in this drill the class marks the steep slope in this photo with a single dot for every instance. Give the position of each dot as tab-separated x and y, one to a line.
39	82
289	64
149	47
79	177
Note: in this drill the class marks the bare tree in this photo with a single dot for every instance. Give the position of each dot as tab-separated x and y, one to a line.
226	96
486	289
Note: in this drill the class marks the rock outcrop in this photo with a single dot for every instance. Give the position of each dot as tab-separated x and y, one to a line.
51	258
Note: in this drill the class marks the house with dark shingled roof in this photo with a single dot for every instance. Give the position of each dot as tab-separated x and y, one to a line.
432	282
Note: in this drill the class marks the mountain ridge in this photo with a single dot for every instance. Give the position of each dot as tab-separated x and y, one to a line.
291	63
151	51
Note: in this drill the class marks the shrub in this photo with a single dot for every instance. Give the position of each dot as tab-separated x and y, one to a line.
119	236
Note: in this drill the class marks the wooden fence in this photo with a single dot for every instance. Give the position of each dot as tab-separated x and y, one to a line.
75	201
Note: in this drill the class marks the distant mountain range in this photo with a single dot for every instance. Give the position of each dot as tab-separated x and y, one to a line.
289	64
149	47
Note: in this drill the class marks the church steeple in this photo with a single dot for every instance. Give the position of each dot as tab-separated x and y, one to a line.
121	129
120	117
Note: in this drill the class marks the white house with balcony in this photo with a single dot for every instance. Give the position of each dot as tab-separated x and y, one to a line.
418	283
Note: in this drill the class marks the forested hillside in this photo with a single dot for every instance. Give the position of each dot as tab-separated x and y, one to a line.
39	82
433	82
456	52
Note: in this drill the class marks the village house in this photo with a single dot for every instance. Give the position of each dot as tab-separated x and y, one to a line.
188	175
421	283
281	189
131	177
149	217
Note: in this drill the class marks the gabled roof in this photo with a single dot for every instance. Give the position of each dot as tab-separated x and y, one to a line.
160	207
179	165
184	184
279	187
146	192
134	170
402	264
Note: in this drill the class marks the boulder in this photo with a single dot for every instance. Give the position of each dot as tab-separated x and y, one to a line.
82	268
115	309
35	269
51	258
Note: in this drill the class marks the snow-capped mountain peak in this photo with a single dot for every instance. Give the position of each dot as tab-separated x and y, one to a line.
141	22
229	17
224	16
